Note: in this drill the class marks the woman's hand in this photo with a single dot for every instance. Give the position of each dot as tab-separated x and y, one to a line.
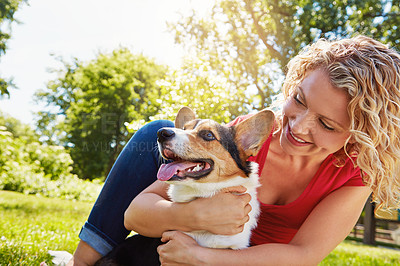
223	214
180	249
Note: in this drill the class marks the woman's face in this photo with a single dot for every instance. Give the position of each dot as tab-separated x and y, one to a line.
315	118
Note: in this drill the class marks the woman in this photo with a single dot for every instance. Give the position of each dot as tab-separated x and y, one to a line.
335	143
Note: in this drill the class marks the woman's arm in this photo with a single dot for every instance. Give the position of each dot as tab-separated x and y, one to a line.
84	255
151	213
327	225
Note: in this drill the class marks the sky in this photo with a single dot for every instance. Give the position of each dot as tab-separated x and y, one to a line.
82	29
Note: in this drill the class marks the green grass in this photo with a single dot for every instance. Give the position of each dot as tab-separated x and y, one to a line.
356	254
31	225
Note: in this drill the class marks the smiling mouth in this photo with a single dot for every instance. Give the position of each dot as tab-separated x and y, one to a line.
297	139
180	168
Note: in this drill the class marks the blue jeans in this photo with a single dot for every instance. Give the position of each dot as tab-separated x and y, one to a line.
135	169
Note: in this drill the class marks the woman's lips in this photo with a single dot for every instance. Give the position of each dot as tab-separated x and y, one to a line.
294	139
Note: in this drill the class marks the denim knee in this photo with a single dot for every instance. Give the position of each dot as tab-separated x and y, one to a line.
135	169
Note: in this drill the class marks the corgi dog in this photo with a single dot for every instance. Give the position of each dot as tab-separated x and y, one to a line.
208	157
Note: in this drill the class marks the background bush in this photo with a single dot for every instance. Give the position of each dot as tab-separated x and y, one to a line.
28	166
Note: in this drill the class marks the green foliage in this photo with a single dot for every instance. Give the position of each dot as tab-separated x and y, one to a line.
18	129
28	166
251	41
377	19
197	86
7	11
93	100
352	253
32	225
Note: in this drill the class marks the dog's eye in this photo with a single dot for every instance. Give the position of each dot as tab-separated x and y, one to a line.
207	135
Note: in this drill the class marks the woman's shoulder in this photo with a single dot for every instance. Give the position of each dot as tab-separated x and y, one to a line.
345	172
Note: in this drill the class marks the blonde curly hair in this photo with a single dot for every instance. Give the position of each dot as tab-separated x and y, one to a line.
369	72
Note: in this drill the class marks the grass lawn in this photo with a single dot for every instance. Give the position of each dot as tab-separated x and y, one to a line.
31	225
353	253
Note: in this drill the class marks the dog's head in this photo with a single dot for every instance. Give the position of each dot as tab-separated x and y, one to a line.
204	151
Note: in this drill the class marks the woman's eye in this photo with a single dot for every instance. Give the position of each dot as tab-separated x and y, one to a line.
326	126
297	99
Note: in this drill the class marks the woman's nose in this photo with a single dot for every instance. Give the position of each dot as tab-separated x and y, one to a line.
302	124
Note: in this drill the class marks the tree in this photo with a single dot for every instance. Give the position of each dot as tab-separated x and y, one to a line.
21	149
18	129
199	87
7	11
89	103
31	167
251	41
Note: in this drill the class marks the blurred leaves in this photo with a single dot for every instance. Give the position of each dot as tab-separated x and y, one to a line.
7	11
28	166
197	86
251	41
89	103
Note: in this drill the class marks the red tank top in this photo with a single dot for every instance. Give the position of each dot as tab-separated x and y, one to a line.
279	223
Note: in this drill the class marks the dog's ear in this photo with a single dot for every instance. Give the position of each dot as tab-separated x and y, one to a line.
185	114
254	131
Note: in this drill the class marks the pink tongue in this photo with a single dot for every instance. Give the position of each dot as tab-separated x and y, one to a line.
167	171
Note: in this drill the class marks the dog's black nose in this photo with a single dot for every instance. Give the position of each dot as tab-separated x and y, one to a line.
165	134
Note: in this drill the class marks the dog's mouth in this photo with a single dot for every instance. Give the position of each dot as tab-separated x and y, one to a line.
181	169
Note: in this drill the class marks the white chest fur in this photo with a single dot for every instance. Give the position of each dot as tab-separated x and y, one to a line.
187	190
